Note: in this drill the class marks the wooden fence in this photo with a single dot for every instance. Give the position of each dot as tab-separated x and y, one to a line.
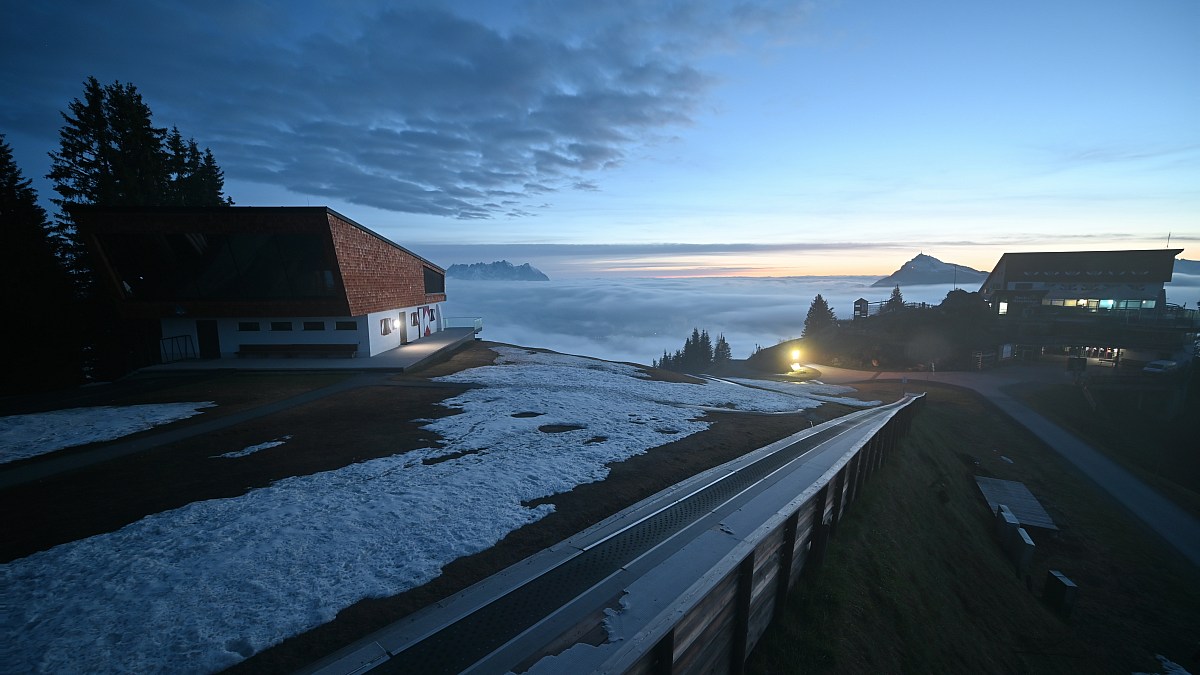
717	632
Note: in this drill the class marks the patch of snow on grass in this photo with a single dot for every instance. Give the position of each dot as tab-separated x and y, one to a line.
249	450
23	436
202	587
818	392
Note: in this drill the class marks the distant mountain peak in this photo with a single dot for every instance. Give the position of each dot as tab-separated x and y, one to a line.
501	270
926	269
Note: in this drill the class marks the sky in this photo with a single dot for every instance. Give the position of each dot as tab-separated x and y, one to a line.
642	138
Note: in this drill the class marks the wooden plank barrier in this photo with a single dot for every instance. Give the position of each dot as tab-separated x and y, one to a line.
721	628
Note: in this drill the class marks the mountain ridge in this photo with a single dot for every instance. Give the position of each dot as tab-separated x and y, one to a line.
501	270
926	269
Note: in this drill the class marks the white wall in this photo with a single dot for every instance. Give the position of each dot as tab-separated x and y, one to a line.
368	334
406	333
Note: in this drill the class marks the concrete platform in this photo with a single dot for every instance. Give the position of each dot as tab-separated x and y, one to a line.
403	358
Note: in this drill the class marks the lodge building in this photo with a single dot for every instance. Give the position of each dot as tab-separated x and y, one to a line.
1112	298
236	281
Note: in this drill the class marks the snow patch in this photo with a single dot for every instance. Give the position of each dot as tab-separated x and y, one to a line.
255	448
200	588
23	436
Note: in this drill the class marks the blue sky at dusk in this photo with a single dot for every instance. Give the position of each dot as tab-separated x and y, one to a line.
663	139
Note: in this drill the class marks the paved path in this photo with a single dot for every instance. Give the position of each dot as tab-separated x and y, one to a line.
1179	528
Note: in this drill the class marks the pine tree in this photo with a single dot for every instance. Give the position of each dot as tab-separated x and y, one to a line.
36	288
820	318
192	178
894	303
704	352
722	354
111	154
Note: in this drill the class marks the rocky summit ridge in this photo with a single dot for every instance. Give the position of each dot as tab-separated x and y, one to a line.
926	269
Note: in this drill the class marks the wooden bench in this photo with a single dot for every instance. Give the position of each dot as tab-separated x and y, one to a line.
339	351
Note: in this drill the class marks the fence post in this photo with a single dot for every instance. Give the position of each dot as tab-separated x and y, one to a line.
664	654
787	558
741	617
839	490
819	534
856	475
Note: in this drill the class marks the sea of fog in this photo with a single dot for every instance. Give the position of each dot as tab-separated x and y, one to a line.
637	319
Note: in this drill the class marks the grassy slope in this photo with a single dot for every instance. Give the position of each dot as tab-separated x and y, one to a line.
1162	453
914	581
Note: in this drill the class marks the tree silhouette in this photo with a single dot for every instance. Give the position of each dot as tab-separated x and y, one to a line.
722	354
894	303
36	289
820	318
111	154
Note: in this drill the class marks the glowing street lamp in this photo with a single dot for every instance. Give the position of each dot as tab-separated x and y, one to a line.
796	361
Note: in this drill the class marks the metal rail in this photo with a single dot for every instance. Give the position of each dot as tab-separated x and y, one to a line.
505	622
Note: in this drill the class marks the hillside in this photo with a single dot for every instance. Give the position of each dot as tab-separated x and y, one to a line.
364	504
915	581
501	270
926	269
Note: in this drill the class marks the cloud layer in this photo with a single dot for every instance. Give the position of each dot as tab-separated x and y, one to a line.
403	107
637	319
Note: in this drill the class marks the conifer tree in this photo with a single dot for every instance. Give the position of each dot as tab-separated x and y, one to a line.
36	288
111	154
894	303
820	318
722	354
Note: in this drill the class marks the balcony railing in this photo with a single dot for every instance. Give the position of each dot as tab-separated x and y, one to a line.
473	322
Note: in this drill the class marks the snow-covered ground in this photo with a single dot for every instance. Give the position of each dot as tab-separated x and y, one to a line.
199	588
24	436
250	450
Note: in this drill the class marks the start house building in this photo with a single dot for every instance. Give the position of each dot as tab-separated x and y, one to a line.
237	281
1087	281
1115	299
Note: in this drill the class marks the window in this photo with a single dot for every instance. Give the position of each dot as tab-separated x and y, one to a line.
248	326
385	326
1004	308
435	282
314	325
281	325
345	325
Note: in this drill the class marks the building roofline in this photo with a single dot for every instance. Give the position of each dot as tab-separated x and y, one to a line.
378	236
227	209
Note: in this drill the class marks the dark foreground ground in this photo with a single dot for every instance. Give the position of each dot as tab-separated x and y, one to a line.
916	583
913	582
380	419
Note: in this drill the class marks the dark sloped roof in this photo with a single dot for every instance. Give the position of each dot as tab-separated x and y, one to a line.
266	261
1134	266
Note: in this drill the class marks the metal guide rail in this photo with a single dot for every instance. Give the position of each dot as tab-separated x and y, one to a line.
559	597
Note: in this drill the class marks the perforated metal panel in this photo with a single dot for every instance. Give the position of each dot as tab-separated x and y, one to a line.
463	643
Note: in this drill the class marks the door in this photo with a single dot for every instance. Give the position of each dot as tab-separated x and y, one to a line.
209	339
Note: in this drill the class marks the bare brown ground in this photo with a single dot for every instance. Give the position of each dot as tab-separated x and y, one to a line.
341	429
